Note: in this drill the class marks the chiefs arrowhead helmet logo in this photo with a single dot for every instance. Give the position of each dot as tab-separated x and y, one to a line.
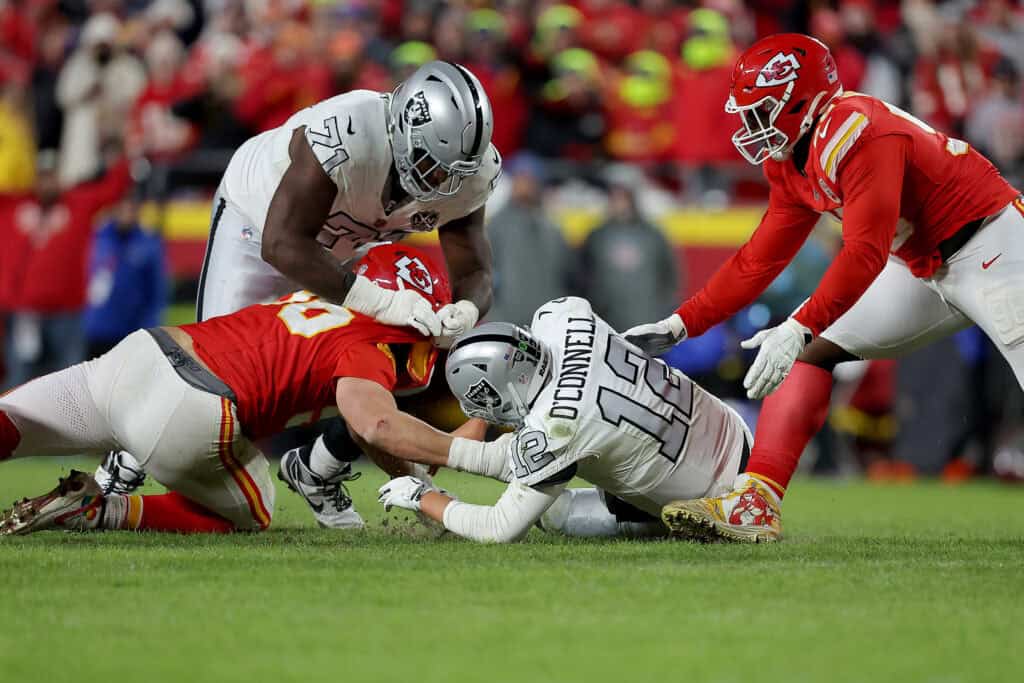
780	69
412	270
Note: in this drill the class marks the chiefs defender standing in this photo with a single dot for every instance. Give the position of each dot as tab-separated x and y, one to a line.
933	241
191	402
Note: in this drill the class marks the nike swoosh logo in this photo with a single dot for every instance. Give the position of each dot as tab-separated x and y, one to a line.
986	264
350	131
824	131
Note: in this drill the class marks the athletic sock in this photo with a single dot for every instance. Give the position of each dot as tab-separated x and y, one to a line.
10	437
167	512
322	462
790	417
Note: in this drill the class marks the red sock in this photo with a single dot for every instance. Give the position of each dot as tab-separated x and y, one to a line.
9	436
173	512
790	417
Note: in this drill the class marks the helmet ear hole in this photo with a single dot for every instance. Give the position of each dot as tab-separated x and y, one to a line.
798	107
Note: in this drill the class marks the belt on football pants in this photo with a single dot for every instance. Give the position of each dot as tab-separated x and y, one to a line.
958	239
188	368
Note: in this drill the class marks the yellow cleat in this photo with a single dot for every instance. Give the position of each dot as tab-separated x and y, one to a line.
747	514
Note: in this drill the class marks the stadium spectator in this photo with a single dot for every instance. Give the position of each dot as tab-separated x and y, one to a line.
1001	24
532	263
827	27
703	142
17	151
96	89
127	280
569	122
282	78
951	74
996	124
881	77
610	29
46	235
663	26
487	57
639	110
408	57
48	118
350	67
627	269
154	128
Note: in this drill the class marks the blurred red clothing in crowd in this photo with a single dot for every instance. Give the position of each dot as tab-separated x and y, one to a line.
504	86
154	128
45	247
281	79
610	29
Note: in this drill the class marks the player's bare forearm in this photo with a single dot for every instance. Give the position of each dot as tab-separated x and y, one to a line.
433	503
298	209
474	428
467	251
372	414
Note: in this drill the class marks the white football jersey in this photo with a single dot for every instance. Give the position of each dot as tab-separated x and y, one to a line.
348	134
633	426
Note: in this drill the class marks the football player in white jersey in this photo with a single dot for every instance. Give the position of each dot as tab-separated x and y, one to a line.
584	403
298	204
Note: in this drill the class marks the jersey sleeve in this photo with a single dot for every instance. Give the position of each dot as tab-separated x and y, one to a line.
508	520
328	146
542	452
365	360
741	279
871	183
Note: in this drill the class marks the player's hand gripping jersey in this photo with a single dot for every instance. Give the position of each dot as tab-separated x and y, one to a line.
898	186
348	135
282	359
606	413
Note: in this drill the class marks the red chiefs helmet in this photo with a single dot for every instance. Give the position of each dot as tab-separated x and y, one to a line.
396	266
779	85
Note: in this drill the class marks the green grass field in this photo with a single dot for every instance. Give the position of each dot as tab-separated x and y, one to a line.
902	583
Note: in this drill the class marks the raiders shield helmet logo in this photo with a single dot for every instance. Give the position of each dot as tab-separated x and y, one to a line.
417	112
412	270
780	69
483	395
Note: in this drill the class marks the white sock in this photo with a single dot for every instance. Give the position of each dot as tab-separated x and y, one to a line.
322	463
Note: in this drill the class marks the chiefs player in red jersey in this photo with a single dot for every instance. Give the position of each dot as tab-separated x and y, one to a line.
932	242
190	402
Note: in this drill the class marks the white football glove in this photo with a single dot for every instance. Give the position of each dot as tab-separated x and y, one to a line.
657	338
456	319
780	347
403	308
403	492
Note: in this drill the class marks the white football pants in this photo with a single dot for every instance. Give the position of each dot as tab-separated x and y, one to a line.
983	283
131	398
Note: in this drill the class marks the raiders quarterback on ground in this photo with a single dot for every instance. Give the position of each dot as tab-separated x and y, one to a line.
297	203
584	403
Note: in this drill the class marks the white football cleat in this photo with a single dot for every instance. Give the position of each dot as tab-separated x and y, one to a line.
120	474
75	505
328	498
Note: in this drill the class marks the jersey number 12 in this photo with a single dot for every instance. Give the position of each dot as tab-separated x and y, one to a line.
662	388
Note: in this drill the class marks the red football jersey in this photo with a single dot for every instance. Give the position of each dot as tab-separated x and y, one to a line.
282	359
898	186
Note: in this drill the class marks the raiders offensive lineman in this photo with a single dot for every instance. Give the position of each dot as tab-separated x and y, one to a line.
298	204
585	403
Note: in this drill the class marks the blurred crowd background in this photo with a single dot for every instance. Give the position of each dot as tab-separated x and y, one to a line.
117	118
